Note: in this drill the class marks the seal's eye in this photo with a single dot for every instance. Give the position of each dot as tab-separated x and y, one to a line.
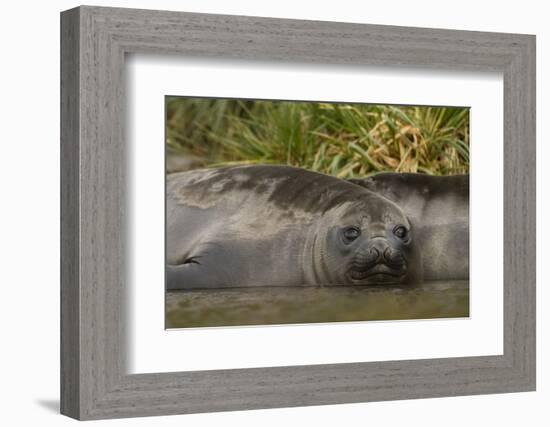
400	231
351	233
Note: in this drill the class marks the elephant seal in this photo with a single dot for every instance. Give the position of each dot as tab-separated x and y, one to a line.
282	226
438	207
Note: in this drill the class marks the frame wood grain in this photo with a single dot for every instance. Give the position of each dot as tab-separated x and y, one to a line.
94	382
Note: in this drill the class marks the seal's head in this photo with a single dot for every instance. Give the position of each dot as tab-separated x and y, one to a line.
365	241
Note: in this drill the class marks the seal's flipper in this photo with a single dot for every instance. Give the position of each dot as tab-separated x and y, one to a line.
189	275
194	273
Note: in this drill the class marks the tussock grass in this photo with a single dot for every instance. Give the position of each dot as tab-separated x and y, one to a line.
345	140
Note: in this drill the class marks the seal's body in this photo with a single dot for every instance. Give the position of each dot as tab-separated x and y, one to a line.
283	226
438	207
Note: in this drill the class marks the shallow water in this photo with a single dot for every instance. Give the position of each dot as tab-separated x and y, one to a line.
283	305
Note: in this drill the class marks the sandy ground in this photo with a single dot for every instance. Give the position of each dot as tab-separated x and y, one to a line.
283	305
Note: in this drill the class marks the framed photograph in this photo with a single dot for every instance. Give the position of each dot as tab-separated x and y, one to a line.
272	214
263	213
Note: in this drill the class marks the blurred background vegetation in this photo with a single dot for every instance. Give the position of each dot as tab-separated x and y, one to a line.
345	140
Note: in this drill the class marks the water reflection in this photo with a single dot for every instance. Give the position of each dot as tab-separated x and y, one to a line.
264	306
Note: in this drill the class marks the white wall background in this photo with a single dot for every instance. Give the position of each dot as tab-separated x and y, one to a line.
29	224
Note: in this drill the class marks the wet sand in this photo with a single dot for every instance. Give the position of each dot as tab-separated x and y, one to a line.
287	305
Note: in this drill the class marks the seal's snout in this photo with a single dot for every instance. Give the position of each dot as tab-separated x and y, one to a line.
383	255
380	252
379	262
376	251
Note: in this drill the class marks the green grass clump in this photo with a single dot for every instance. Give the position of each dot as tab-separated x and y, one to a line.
344	140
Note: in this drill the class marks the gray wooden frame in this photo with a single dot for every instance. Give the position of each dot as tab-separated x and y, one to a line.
94	41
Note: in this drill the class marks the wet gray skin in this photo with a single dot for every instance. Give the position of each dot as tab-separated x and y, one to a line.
438	207
283	226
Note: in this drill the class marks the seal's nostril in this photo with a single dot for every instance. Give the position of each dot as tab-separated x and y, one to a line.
393	258
372	255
